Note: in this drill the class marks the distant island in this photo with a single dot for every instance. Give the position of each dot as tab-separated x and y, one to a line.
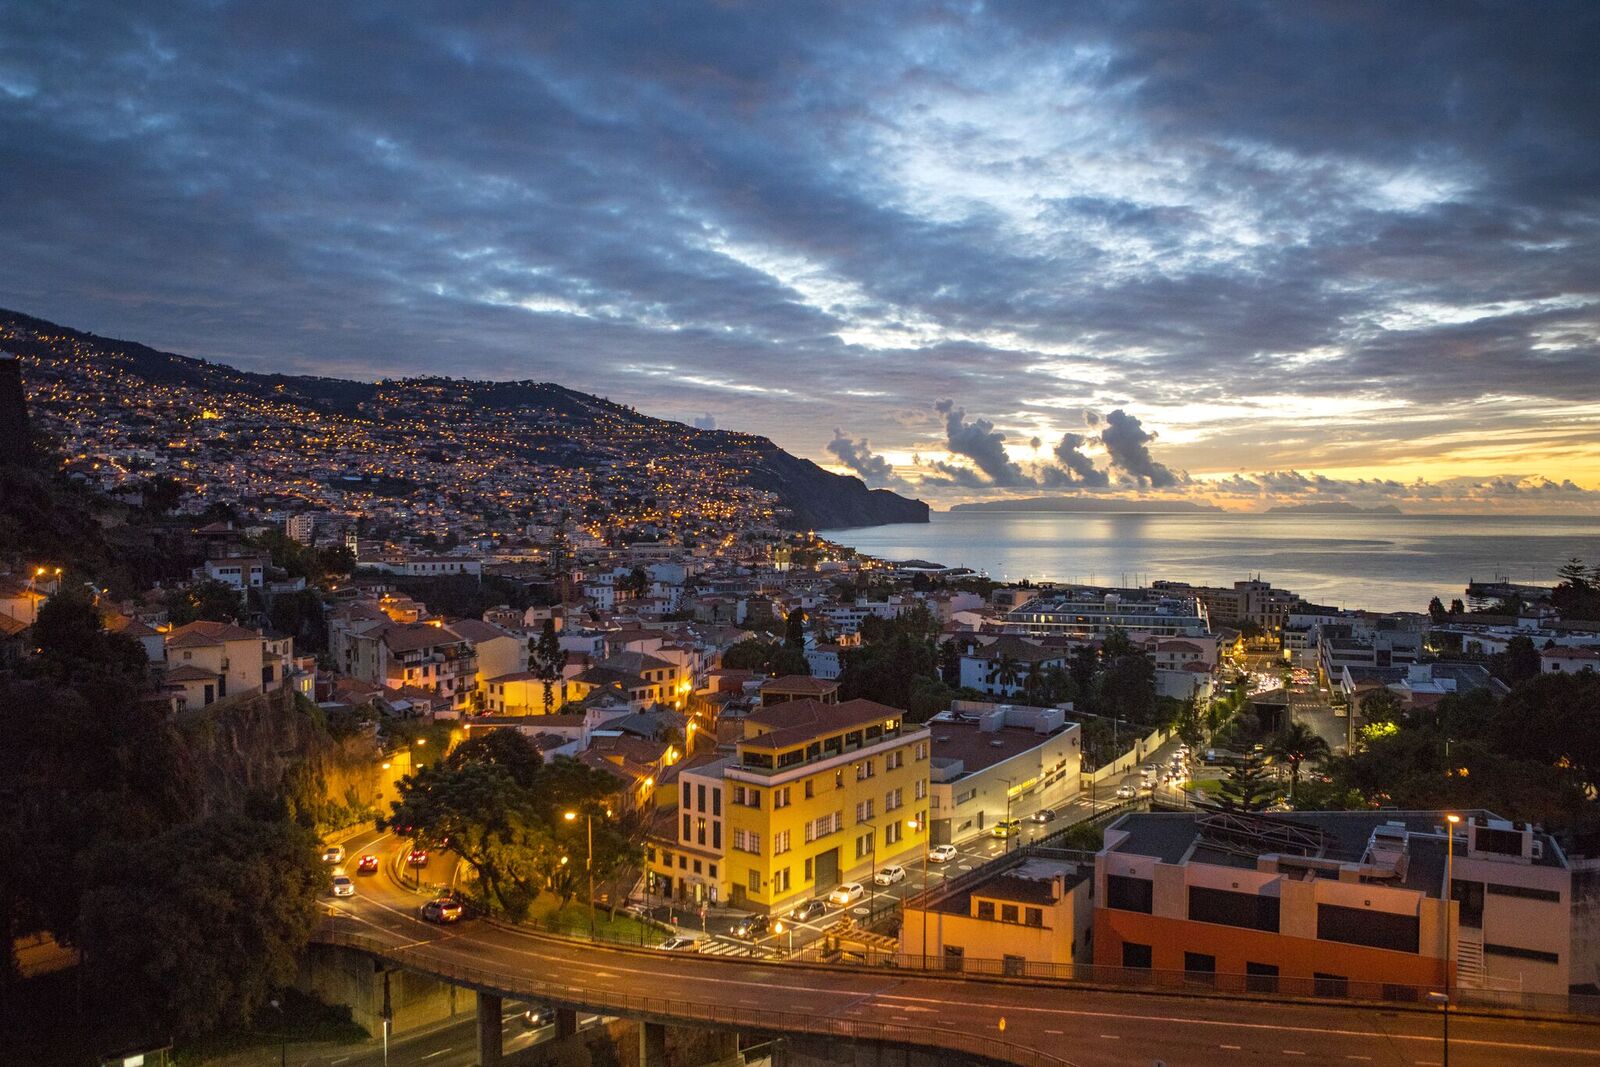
1088	504
1332	507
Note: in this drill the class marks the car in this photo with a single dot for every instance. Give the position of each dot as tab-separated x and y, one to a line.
811	909
418	857
442	910
1149	769
1126	792
942	853
1007	828
752	929
343	886
1147	786
333	854
367	864
846	893
1042	815
680	944
890	875
538	1018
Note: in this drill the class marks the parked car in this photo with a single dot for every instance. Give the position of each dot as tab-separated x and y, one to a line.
418	857
680	944
343	885
1042	815
443	910
333	854
811	909
752	929
1007	828
846	893
942	853
890	875
367	864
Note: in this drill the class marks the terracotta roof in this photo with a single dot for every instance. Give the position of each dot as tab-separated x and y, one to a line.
799	720
475	630
188	673
129	627
799	683
1571	653
1018	649
10	627
414	636
203	634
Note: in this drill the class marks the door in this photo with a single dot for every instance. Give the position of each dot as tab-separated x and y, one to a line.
827	868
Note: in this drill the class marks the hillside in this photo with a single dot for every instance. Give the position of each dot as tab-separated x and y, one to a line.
420	435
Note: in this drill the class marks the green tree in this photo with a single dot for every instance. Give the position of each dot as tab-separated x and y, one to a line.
548	660
1296	744
950	662
1005	672
201	923
1382	705
209	600
1457	607
1436	611
1519	662
794	627
1246	786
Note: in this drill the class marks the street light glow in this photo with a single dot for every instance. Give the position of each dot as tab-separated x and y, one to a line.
569	815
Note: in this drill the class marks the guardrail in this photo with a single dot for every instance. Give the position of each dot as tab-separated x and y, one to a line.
609	1001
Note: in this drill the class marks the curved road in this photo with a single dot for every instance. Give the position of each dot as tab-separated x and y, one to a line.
1043	1024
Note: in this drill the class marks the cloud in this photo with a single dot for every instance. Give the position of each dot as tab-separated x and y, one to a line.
872	468
1076	468
705	422
981	443
1128	444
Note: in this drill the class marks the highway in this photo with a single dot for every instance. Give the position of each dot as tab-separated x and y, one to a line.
1044	1024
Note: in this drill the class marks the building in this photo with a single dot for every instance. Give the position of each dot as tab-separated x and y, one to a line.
1002	667
1569	660
207	661
522	693
799	687
1030	913
994	761
814	795
686	855
498	652
1253	601
237	572
1088	613
1336	903
301	527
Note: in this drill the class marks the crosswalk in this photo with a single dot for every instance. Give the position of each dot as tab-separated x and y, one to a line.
733	948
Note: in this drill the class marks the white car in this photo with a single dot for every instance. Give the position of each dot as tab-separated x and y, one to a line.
333	854
343	886
890	875
680	944
1126	792
847	893
942	853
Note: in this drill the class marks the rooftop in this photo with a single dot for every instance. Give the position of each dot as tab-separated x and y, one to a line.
798	721
978	749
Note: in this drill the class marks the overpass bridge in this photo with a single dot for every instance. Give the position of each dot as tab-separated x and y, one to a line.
926	1015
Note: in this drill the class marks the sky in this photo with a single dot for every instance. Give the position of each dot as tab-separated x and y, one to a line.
1240	253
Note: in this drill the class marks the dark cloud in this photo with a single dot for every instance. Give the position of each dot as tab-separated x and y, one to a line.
872	468
980	442
705	422
1127	442
1077	468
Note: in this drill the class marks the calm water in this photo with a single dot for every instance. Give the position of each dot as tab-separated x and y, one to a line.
1385	563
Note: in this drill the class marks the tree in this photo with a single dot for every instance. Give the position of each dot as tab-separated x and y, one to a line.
794	630
1297	743
1382	705
1519	662
1457	607
1005	672
209	600
1436	611
950	663
548	659
1191	727
1245	787
202	922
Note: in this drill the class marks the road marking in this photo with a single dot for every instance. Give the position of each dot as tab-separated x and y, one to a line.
1355	1057
431	1055
1291	1052
1058	1033
1112	1037
1231	1048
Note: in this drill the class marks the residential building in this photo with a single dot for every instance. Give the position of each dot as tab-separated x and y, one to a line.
522	693
236	572
686	855
1083	612
206	661
301	527
1002	667
1337	902
1029	913
992	760
1569	660
814	795
799	687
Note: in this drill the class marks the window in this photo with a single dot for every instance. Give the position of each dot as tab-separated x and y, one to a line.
986	910
701	807
1136	955
780	881
921	788
863	810
716	836
747	841
1261	977
687	835
716	801
922	750
738	794
838	778
894	760
696	866
780	842
809	870
894	832
1330	985
712	871
1130	894
1249	910
1363	926
1497	889
1199	967
700	830
894	799
686	796
683	863
810	792
1013	966
1008	913
1512	952
755	880
1033	916
780	798
864	846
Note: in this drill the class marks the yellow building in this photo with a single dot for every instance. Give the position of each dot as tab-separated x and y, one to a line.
819	794
1030	914
814	795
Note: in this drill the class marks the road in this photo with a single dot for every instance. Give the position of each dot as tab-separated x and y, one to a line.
1086	1027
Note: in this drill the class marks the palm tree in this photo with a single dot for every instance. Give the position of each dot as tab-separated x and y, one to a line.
1007	671
1294	745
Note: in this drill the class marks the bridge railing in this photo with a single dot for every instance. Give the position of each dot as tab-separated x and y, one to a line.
604	1000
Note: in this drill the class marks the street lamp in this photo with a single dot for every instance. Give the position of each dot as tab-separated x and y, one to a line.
1450	819
588	859
778	928
1443	999
921	824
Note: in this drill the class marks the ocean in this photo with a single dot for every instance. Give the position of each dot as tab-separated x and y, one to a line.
1377	562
